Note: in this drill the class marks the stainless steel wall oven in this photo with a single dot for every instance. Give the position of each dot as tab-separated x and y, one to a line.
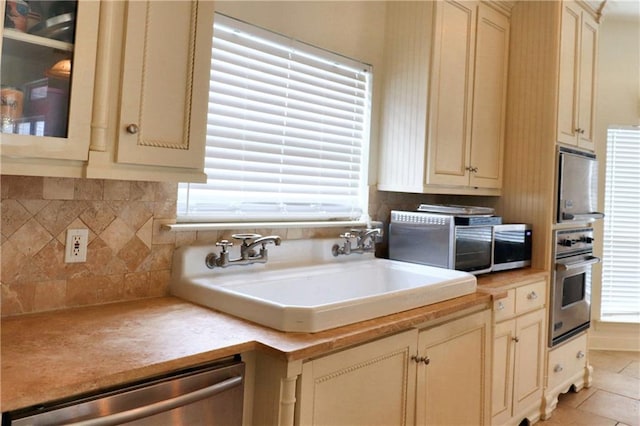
570	302
577	186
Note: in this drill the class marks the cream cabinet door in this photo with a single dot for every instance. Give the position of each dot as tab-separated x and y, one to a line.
165	83
371	384
504	335
453	386
449	136
518	363
489	98
528	375
587	84
577	77
568	74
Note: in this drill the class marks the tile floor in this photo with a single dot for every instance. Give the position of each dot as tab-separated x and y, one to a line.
613	398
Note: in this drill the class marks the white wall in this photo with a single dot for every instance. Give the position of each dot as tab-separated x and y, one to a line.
351	28
618	103
618	74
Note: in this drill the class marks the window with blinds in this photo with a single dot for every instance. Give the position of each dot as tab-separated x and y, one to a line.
621	251
287	131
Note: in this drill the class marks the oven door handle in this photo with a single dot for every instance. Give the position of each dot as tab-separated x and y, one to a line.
583	216
579	264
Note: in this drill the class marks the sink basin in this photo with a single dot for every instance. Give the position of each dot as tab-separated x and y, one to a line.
316	294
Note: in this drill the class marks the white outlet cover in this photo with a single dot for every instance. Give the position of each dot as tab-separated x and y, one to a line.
75	250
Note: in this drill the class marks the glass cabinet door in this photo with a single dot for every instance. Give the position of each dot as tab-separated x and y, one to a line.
46	66
36	66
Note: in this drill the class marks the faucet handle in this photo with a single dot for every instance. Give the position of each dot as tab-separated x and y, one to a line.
375	233
224	244
246	238
348	235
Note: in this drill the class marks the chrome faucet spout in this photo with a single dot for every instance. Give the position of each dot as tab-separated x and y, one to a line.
365	241
247	249
265	240
370	236
248	254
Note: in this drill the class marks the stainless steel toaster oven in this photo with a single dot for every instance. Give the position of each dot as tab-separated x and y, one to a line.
436	240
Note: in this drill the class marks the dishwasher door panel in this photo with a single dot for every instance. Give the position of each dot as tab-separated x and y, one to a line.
207	396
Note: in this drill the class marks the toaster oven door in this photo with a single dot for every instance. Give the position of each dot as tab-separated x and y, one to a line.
426	244
474	249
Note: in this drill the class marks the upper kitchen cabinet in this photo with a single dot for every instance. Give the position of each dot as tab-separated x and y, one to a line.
47	73
577	76
150	117
445	80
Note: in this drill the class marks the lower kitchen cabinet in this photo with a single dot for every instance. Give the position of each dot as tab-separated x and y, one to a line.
420	376
453	386
567	368
519	354
365	385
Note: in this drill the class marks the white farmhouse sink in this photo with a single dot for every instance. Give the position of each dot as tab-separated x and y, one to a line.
312	291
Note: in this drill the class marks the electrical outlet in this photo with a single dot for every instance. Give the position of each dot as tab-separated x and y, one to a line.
75	250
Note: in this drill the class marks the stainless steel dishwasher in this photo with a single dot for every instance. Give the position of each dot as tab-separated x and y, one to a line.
208	395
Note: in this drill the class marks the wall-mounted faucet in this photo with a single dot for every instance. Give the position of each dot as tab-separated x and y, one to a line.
248	254
366	240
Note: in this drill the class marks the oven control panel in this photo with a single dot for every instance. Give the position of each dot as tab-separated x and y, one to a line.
571	241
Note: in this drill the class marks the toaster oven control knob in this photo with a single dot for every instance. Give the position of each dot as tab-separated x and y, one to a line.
587	240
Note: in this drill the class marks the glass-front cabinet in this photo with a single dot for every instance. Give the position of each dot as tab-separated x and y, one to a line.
47	68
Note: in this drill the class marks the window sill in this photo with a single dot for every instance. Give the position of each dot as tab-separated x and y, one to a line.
183	226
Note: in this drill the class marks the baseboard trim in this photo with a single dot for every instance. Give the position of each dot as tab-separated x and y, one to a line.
614	336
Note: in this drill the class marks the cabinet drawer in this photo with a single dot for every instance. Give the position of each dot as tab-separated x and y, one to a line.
567	361
530	297
505	308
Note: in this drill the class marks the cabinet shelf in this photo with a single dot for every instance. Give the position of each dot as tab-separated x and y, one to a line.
36	41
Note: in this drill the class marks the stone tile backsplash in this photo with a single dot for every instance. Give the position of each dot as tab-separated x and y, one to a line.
128	256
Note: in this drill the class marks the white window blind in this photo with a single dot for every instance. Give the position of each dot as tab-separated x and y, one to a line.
287	131
621	251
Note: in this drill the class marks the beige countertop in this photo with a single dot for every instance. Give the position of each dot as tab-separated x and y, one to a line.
53	355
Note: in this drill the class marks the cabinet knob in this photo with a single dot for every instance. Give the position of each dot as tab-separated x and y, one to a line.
580	355
579	131
532	296
500	306
515	339
132	129
425	360
472	169
558	368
